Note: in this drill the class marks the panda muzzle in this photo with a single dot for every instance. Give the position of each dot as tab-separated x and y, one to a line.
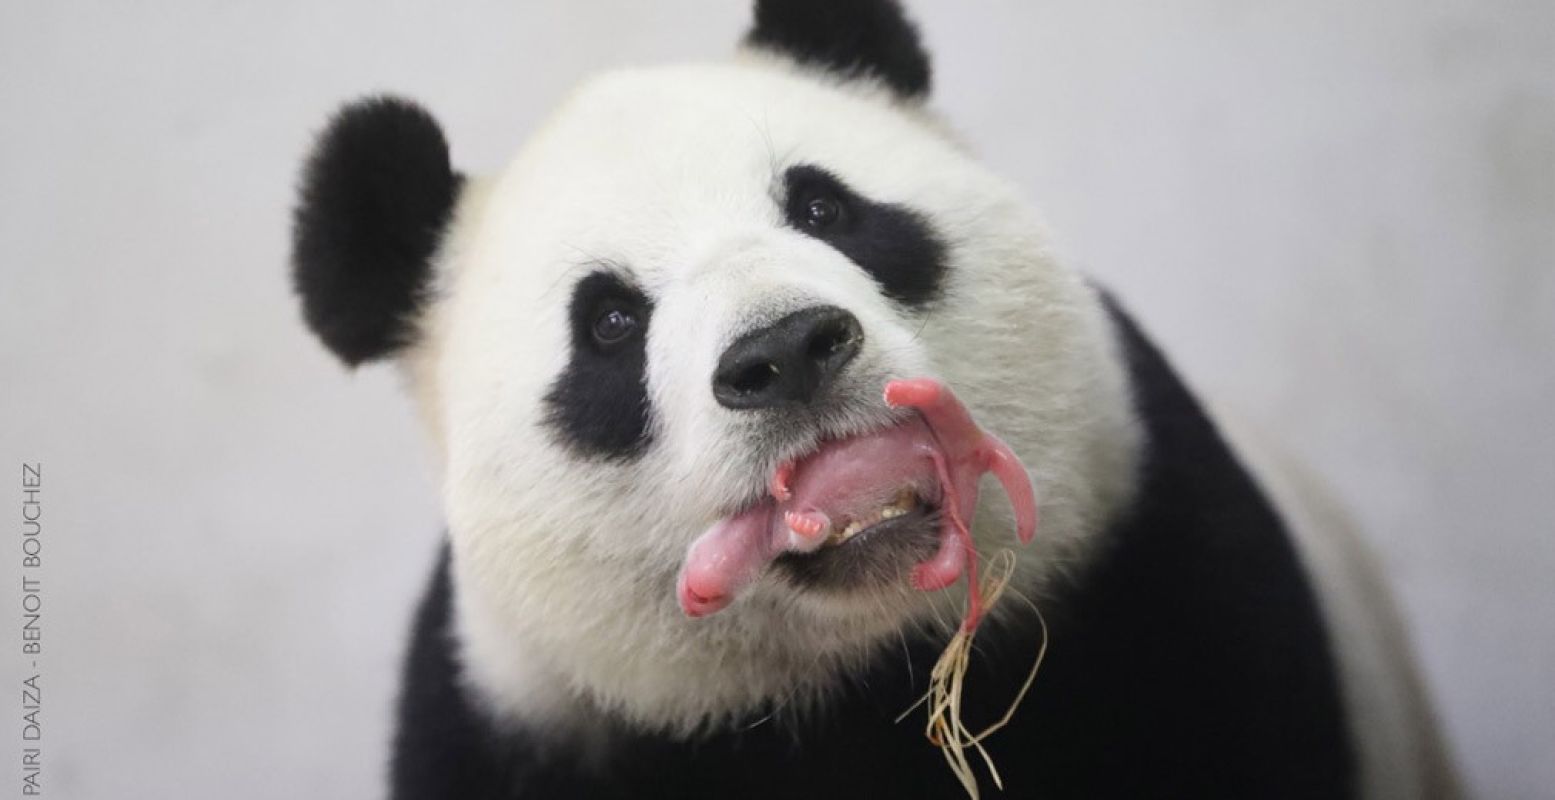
934	457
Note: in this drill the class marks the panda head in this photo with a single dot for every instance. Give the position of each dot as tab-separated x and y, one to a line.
689	275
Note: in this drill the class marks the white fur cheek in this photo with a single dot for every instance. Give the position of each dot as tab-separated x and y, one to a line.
1027	346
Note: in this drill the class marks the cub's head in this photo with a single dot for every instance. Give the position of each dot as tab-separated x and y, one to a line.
688	277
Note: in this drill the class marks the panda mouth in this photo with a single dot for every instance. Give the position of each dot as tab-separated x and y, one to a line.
904	503
875	549
866	509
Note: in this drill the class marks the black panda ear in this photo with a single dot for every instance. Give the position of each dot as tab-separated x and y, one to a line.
376	196
851	37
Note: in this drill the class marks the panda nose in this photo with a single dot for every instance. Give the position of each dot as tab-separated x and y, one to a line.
789	362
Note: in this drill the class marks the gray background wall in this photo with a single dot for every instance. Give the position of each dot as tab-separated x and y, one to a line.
1338	217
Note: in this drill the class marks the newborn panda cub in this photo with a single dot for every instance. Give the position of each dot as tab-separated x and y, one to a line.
712	369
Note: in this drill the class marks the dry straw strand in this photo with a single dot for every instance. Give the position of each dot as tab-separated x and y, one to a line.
945	727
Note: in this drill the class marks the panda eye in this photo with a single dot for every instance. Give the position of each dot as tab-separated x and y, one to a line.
822	212
614	325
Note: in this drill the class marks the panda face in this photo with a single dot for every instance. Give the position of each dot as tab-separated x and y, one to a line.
580	368
688	277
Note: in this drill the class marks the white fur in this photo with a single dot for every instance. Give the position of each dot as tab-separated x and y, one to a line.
565	566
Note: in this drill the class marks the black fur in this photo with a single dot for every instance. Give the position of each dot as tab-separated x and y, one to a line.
893	243
850	37
599	404
376	196
1188	661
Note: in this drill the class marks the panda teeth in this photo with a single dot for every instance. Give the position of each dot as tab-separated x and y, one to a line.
899	507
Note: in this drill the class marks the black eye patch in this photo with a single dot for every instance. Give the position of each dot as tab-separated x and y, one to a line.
598	405
893	243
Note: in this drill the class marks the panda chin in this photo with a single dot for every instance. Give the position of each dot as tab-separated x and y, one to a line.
875	555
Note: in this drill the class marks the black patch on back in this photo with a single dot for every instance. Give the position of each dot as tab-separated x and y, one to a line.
1187	660
893	243
599	404
375	197
850	37
442	748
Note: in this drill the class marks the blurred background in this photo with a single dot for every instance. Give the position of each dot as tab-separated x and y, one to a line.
1338	218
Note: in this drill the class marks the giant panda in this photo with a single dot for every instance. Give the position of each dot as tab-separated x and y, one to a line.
693	275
